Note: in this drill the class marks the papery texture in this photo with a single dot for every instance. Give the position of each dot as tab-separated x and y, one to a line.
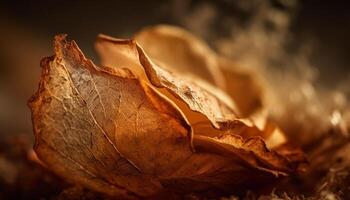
117	131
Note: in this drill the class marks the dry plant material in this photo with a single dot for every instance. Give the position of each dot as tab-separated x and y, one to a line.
138	126
177	49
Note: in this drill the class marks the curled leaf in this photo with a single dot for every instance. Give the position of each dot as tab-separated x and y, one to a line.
185	92
201	103
128	132
178	50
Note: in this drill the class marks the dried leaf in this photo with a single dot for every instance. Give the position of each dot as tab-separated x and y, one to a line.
112	130
202	104
178	50
186	93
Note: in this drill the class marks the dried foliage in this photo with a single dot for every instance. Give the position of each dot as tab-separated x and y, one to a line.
159	117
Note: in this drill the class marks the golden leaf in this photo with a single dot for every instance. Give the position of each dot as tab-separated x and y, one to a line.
178	50
128	132
204	102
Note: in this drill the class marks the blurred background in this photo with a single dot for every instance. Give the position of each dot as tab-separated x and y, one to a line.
303	40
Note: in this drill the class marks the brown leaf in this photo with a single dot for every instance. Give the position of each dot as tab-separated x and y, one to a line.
113	132
211	112
204	102
178	50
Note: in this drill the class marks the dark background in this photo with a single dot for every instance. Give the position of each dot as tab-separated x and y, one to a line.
27	29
